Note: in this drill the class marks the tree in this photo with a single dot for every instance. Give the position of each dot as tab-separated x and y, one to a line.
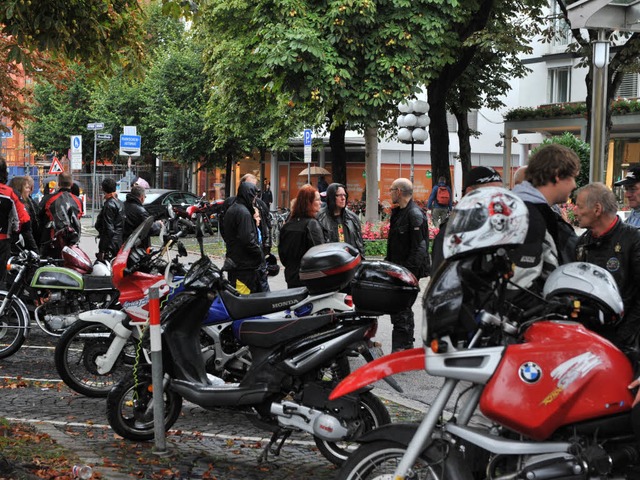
57	113
625	60
38	37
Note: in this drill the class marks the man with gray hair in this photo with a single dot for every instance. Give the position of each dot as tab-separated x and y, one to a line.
615	246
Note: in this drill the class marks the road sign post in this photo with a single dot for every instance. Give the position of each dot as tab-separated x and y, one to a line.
308	135
95	127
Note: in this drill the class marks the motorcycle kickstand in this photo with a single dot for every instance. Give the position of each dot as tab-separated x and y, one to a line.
274	449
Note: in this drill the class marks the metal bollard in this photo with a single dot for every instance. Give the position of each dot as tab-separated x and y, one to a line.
157	373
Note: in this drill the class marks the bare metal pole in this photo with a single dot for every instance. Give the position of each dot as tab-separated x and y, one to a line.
599	108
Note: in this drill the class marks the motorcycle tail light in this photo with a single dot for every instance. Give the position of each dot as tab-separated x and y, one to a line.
348	301
372	330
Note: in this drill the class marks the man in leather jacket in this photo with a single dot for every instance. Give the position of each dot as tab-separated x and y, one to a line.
110	222
615	246
245	256
13	218
60	214
135	214
338	222
407	245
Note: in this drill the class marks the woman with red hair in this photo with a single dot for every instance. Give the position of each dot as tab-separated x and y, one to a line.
301	232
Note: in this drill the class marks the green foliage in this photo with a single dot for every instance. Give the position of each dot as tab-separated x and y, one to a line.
375	248
582	149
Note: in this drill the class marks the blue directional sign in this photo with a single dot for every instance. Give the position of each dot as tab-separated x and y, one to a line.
130	145
307	145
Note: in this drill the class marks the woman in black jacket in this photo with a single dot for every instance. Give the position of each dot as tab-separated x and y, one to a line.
301	232
338	222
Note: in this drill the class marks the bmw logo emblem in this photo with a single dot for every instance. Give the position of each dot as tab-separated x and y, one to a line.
530	372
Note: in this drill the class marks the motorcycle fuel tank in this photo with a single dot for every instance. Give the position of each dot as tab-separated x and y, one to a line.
57	277
561	374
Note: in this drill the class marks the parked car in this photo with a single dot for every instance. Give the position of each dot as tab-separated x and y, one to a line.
157	199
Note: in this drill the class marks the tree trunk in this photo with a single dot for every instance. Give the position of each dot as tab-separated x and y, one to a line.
339	155
438	132
371	169
464	133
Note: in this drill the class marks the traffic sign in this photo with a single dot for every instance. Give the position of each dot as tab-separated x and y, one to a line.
105	136
8	134
76	152
95	126
56	167
130	145
307	145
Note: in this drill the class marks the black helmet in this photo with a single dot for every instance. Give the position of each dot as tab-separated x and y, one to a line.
272	265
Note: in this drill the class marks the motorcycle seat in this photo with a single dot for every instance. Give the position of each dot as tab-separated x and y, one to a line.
98	282
245	306
266	333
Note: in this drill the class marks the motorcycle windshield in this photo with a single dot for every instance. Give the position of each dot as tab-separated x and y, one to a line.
120	262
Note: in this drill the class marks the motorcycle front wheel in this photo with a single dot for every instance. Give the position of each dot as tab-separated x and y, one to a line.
373	414
130	408
13	327
77	351
379	459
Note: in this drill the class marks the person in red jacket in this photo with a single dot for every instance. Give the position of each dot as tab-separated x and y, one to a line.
13	218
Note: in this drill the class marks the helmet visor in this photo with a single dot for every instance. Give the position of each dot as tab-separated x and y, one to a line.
467	220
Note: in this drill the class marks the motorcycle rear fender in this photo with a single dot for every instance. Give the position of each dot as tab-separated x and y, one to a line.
112	319
402	433
404	361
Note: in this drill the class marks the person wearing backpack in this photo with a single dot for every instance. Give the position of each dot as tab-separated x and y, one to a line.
440	202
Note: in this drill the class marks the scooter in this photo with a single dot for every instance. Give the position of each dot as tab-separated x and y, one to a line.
296	360
51	291
96	351
553	393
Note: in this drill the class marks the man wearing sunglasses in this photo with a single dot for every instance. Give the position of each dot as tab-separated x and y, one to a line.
631	184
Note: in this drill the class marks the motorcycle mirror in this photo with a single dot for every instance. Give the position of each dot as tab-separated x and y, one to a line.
20	241
182	250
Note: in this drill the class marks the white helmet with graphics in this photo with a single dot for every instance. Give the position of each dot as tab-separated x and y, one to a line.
484	219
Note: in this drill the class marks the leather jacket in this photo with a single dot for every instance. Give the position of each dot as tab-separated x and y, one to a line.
618	251
135	214
296	237
408	243
350	223
110	226
63	209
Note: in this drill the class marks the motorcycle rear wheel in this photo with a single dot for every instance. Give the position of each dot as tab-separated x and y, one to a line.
131	417
373	414
378	460
13	327
75	358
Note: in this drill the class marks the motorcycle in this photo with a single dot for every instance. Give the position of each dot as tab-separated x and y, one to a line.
97	350
295	360
185	219
538	376
51	291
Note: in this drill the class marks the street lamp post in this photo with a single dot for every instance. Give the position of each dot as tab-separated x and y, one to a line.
413	123
599	106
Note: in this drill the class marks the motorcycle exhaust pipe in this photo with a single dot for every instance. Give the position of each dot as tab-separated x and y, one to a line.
319	424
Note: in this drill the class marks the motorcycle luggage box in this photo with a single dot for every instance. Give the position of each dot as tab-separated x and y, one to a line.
381	287
329	267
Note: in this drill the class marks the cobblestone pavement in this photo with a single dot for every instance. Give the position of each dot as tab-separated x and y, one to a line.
220	444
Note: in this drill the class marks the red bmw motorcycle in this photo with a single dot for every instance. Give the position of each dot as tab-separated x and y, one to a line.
551	392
